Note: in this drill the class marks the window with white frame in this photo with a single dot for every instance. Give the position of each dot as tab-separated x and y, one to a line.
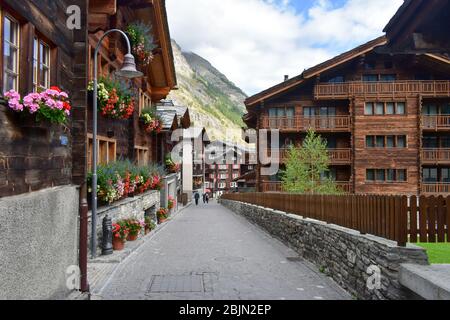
11	40
41	65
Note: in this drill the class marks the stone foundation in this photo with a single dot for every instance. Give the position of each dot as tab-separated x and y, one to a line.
38	243
131	208
351	259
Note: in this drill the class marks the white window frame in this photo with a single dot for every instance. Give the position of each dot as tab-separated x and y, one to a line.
14	73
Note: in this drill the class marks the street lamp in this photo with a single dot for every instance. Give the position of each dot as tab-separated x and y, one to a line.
128	71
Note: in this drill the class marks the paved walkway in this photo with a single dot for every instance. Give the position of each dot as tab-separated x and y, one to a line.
208	252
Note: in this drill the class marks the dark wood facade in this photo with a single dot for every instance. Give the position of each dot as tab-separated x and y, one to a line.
32	156
360	97
36	156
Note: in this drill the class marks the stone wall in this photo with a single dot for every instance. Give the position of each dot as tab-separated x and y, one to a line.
38	242
130	208
345	255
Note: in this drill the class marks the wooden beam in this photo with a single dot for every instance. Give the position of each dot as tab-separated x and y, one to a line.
108	7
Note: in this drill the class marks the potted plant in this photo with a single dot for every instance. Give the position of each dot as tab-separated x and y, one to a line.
172	167
135	228
115	100
142	42
162	215
149	225
120	234
51	106
151	121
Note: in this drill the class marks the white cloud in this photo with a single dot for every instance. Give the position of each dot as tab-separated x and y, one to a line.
255	42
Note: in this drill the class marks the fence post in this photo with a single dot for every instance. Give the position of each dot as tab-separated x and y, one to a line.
402	222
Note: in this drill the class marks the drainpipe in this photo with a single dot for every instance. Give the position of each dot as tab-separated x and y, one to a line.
83	250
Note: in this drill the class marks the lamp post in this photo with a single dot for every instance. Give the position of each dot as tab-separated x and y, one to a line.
128	71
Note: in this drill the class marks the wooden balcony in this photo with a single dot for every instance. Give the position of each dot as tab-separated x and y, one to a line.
436	123
347	90
270	186
299	124
337	156
436	156
435	188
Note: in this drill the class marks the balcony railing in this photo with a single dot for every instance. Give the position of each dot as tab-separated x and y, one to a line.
347	90
270	186
441	122
435	156
435	188
337	156
319	123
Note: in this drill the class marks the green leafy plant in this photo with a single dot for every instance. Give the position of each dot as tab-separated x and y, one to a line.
305	166
152	122
120	230
149	223
134	226
142	41
115	99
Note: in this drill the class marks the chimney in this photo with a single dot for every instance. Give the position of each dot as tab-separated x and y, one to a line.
286	77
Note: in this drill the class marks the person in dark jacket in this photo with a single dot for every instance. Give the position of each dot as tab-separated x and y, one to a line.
197	197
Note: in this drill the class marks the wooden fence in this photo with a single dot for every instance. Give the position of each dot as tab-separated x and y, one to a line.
398	218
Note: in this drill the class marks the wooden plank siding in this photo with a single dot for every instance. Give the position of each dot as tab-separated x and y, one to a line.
36	156
341	86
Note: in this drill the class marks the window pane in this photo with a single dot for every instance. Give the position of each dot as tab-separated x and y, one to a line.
401	175
430	110
380	142
272	112
390	141
390	175
379	109
370	78
401	142
370	175
370	141
388	77
445	142
445	175
381	175
430	142
369	108
390	108
445	110
401	109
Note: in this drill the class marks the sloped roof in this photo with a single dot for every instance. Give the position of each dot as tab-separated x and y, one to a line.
311	72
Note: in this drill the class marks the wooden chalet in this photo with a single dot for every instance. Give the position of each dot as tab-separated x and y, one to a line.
386	119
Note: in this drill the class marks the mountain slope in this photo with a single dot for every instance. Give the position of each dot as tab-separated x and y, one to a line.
214	102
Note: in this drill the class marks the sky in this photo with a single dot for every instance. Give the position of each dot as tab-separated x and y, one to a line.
256	42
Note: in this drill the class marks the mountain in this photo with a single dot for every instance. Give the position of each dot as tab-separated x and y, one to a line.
214	101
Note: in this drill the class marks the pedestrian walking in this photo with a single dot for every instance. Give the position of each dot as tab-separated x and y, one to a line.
207	198
204	198
197	198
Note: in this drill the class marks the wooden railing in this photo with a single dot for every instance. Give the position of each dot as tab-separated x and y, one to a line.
337	156
276	186
436	122
398	218
435	188
298	123
347	90
435	156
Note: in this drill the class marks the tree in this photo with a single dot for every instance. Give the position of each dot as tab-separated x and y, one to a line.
305	167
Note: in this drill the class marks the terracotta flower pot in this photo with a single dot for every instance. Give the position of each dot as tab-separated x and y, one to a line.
118	244
132	237
162	220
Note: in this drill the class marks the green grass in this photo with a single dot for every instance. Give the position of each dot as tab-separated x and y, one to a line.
439	253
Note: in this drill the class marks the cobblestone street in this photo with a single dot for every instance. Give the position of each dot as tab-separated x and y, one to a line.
208	252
